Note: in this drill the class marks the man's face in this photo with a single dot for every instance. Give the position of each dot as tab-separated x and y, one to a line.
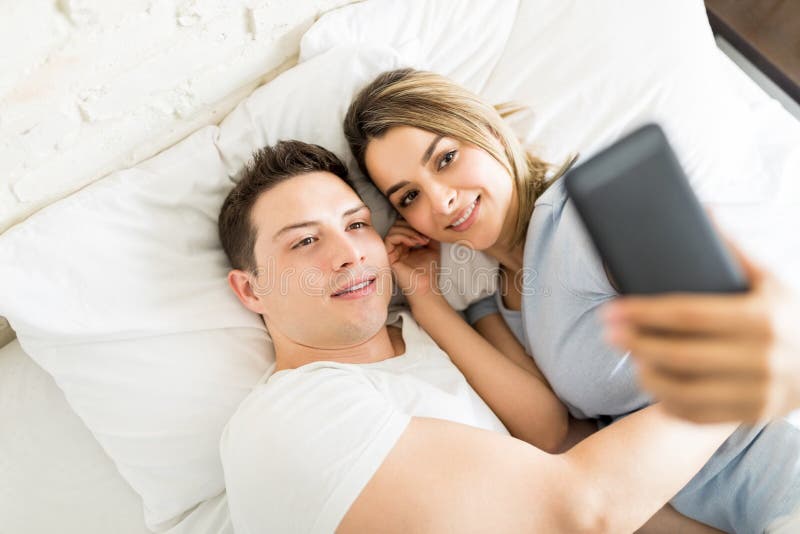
315	243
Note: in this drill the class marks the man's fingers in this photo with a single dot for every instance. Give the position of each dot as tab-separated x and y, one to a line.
714	413
692	355
686	313
709	399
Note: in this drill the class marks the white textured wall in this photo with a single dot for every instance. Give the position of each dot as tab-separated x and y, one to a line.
88	86
91	86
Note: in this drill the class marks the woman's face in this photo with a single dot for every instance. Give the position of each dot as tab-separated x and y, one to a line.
448	190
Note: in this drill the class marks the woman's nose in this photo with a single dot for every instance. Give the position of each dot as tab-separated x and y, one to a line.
443	199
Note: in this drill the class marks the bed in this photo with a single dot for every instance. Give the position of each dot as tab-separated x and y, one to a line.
68	460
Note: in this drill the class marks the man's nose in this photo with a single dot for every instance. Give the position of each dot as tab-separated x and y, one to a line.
347	253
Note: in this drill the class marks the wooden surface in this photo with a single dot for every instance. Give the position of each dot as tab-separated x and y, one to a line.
766	32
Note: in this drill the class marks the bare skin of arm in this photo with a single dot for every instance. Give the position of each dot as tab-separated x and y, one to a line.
495	330
667	520
515	391
508	382
442	476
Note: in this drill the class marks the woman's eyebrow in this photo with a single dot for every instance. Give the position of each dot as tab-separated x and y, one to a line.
424	161
427	155
391	191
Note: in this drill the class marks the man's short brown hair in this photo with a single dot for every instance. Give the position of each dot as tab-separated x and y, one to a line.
269	166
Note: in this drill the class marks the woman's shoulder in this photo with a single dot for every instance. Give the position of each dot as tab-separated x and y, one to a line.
546	215
559	246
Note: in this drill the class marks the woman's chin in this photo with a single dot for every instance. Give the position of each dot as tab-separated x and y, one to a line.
478	243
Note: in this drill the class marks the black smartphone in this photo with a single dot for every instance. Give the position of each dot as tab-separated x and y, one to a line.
646	222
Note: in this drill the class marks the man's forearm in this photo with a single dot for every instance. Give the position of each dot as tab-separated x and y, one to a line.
651	444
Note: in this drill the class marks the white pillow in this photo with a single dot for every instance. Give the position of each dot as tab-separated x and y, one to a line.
308	103
460	38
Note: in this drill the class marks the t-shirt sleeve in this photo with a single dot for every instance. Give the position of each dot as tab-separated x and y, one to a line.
480	309
301	448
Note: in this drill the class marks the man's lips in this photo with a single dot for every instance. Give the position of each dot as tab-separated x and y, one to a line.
363	282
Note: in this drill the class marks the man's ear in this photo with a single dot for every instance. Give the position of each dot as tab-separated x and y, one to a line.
240	282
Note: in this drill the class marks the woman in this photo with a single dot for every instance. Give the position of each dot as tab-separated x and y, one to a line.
456	173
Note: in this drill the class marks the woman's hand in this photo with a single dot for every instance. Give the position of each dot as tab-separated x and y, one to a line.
712	358
414	259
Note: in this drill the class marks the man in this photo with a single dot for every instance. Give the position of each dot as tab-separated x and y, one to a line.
365	427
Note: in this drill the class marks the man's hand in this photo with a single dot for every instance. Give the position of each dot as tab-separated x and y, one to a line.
712	358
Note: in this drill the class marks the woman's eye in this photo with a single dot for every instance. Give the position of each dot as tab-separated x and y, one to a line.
357	225
408	198
446	159
304	242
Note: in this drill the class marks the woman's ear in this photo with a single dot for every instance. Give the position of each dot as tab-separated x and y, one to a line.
241	284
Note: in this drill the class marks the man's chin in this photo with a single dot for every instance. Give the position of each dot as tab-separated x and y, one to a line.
357	330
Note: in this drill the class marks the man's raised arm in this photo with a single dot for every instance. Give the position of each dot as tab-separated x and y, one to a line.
446	477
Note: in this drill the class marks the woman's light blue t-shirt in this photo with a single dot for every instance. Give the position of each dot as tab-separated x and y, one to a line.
752	479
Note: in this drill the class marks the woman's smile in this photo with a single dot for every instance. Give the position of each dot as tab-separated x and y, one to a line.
466	217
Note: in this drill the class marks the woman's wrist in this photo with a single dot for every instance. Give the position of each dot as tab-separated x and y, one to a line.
431	303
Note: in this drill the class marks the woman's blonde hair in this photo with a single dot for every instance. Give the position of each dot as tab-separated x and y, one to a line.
425	100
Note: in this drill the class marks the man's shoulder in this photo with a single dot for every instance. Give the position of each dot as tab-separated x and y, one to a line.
301	388
299	439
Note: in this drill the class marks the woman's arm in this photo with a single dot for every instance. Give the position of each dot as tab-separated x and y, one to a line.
495	330
522	400
519	397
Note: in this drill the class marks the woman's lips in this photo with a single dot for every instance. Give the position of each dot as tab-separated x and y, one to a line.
465	224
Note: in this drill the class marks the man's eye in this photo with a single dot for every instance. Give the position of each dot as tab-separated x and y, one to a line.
355	227
304	242
446	159
408	198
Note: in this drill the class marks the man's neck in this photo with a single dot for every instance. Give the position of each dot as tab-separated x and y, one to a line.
383	345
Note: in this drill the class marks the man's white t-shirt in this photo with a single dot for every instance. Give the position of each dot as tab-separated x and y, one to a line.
302	446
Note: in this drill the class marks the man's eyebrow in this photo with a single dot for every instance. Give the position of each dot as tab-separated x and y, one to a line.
427	155
315	223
